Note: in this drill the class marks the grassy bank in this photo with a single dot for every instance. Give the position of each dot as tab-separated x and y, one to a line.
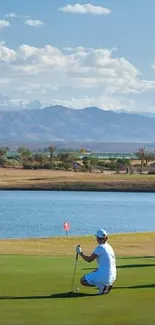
19	179
131	244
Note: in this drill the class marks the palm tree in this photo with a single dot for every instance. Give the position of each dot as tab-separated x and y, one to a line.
149	156
51	149
141	155
3	150
145	156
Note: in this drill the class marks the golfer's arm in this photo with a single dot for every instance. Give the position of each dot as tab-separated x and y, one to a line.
88	258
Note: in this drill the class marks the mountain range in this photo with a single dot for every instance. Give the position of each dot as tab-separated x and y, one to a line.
91	124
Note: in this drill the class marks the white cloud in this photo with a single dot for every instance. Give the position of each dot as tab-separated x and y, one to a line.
74	49
72	76
85	9
6	54
4	24
34	23
12	15
103	102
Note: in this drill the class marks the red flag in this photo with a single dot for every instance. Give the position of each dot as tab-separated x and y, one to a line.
66	226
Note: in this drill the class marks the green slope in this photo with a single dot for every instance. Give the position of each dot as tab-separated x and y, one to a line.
34	290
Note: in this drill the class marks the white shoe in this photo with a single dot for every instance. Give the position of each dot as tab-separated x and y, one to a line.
101	289
104	289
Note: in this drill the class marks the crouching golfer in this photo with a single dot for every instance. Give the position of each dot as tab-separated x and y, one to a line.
105	275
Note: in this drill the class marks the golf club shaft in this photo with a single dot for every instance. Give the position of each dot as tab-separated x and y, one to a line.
74	274
76	259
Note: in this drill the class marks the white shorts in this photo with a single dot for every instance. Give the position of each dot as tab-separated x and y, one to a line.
96	279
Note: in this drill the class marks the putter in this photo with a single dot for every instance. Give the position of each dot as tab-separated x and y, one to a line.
76	259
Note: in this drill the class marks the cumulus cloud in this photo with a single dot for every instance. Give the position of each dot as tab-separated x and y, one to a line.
4	24
6	54
34	23
85	9
74	76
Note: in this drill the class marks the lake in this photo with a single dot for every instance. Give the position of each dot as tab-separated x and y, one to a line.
42	213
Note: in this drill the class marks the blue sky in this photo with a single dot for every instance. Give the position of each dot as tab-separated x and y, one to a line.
79	53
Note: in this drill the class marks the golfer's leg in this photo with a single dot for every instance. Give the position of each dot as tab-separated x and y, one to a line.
84	282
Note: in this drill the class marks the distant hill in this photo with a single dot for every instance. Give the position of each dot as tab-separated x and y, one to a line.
91	124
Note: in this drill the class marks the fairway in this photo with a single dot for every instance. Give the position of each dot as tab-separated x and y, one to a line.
34	290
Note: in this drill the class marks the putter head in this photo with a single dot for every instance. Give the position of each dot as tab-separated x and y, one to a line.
75	289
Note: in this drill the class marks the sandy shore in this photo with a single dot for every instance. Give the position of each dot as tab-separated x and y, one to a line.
19	179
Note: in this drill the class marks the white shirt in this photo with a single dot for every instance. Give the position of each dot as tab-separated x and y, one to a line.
106	262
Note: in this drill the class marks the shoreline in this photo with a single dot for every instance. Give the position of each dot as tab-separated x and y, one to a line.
49	180
83	237
89	187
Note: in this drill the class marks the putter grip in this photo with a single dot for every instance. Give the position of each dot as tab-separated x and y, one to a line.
77	253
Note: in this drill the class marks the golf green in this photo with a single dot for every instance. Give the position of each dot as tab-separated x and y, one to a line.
35	290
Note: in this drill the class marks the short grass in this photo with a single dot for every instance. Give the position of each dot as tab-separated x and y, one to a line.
130	244
34	290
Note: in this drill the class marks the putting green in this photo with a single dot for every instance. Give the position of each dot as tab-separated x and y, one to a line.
34	290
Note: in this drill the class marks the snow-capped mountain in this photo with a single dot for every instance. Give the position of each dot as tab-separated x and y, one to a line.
7	104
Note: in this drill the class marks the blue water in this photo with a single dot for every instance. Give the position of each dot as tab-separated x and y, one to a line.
41	214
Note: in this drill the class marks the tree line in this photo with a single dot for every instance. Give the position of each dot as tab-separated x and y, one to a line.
60	159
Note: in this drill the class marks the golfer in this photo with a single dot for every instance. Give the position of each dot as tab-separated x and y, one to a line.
105	275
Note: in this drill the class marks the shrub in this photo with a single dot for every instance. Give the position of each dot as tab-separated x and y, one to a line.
12	163
2	161
27	166
67	166
102	163
151	172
